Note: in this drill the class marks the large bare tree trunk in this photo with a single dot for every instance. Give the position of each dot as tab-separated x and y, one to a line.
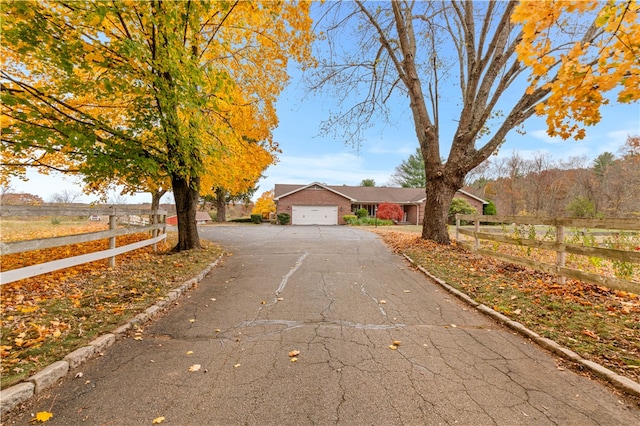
186	198
440	190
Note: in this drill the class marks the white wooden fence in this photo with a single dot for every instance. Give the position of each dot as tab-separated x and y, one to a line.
157	227
560	246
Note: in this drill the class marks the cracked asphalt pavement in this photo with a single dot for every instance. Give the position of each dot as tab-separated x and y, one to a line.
341	298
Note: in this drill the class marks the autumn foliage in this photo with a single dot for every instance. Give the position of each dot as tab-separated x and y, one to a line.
265	204
390	211
580	73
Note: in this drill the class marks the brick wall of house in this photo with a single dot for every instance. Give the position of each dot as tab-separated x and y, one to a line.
414	214
315	197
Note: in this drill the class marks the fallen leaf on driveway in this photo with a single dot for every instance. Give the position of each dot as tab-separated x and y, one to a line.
294	359
158	420
43	416
294	353
393	347
382	302
194	367
236	365
397	342
189	352
192	320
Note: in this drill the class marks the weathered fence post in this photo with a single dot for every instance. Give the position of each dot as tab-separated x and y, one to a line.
476	229
560	253
153	218
457	228
112	240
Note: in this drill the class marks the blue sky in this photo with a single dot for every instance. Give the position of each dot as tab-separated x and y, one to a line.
309	157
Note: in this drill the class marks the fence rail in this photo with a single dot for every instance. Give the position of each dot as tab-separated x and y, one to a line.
157	227
559	246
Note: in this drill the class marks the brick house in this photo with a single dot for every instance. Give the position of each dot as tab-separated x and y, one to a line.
319	204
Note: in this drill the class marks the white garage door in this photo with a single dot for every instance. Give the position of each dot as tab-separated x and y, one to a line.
314	215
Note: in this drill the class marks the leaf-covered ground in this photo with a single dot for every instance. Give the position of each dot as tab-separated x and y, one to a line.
600	324
44	318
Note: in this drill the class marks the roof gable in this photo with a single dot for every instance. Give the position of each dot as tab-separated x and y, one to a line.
281	190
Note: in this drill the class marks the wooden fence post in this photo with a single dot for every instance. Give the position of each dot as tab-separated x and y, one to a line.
560	253
476	228
153	218
112	240
457	228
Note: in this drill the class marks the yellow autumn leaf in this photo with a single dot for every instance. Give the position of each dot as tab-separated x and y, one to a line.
294	352
194	367
158	420
43	416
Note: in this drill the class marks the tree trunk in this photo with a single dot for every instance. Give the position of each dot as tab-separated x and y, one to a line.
156	196
155	202
439	193
221	205
186	198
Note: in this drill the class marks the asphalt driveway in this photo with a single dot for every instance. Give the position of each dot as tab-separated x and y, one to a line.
341	298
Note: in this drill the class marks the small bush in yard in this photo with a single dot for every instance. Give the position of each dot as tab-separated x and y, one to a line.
362	213
350	219
390	211
284	218
256	218
372	221
458	205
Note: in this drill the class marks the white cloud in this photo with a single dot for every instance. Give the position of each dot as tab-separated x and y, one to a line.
544	137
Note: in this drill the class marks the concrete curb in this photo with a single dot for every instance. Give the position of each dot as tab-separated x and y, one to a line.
622	383
22	392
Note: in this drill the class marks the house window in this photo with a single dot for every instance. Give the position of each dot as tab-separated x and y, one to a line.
371	208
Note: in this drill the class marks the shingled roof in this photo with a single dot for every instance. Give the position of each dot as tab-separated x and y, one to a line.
366	194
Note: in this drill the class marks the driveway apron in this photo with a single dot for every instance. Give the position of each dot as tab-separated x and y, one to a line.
378	342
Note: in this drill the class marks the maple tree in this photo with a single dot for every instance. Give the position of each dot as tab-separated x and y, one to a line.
150	94
265	204
509	61
390	211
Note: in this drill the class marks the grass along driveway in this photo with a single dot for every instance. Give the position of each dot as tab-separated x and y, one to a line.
46	317
600	324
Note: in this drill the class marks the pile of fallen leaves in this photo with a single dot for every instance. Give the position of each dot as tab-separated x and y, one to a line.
600	324
45	317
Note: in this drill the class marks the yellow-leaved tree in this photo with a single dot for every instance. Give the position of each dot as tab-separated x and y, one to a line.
145	93
265	204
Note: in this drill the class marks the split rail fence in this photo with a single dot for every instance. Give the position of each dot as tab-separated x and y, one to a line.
156	224
602	235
